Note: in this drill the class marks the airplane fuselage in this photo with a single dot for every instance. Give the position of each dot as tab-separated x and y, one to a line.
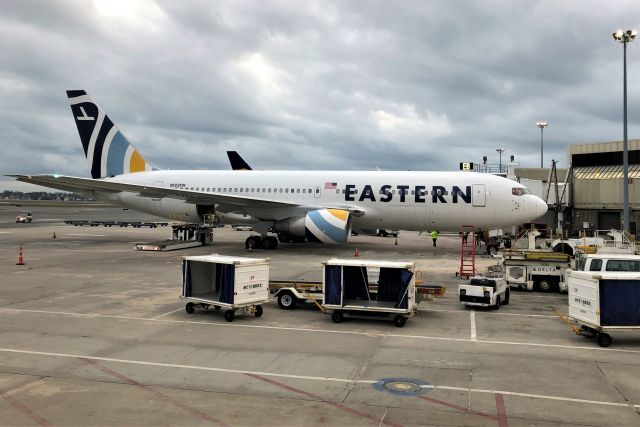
399	200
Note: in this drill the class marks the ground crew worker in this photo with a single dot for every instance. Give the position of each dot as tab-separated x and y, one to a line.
434	236
464	237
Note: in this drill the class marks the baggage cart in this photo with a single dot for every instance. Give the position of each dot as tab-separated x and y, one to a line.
604	301
347	289
225	282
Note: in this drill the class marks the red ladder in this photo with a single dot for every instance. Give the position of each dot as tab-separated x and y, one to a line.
468	252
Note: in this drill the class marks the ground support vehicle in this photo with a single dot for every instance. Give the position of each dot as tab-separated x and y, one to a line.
224	282
24	217
526	269
600	302
289	293
347	289
484	292
182	236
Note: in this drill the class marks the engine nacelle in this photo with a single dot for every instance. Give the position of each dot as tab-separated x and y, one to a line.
323	225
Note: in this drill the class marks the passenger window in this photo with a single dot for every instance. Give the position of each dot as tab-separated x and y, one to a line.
281	190
304	190
269	190
286	190
317	190
596	265
310	191
241	190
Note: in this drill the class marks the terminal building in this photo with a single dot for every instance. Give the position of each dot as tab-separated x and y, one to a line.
590	191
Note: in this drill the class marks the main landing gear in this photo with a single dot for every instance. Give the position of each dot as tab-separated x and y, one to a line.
261	242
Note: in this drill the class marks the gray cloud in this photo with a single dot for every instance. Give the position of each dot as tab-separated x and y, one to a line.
418	85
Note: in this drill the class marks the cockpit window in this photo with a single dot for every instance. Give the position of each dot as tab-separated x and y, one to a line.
520	191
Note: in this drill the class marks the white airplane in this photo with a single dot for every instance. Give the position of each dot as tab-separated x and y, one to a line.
296	205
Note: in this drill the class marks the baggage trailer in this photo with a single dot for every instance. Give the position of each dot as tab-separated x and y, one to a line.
526	269
225	282
605	296
182	236
347	290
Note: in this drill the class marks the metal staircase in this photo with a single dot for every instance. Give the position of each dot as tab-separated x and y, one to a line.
468	252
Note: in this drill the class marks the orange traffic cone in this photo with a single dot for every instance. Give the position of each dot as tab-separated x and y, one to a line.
20	259
356	253
54	234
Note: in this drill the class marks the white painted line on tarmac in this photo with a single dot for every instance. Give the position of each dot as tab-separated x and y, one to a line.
168	313
6	232
174	365
492	313
327	331
86	234
304	377
472	315
539	396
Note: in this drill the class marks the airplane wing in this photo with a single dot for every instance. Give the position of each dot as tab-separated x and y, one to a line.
245	203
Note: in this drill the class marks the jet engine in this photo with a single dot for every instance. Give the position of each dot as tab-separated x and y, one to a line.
322	225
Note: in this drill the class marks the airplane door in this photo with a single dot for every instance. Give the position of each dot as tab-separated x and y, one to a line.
316	193
479	195
157	184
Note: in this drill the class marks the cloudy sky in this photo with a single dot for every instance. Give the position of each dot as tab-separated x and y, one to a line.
419	85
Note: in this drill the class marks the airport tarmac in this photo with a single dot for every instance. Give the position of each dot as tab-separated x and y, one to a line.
93	333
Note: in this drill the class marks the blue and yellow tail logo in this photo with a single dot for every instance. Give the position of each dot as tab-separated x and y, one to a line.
107	150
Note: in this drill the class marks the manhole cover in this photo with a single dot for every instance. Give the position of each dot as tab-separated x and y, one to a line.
403	386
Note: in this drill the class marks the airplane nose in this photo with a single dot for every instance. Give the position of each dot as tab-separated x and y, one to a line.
540	207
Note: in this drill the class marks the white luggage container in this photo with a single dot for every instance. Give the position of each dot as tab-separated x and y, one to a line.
603	301
347	289
231	283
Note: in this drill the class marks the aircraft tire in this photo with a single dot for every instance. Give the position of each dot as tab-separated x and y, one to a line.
269	242
253	242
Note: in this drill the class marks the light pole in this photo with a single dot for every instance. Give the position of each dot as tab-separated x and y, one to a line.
624	38
500	150
542	125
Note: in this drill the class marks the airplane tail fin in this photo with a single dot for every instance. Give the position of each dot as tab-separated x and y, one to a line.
237	162
107	150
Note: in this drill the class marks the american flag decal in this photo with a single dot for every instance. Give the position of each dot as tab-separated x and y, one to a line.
330	185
